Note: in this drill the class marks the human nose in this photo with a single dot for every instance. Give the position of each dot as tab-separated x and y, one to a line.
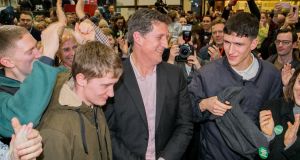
110	91
230	48
36	53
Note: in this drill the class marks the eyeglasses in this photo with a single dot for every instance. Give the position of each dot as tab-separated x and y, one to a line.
283	42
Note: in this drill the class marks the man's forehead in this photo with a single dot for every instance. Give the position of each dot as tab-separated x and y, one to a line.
285	35
27	41
25	16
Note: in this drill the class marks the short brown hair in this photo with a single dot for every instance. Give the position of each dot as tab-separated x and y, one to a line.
29	13
218	20
9	35
142	20
95	60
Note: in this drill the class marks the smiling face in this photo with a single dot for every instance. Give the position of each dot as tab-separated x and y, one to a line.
238	50
23	55
206	23
152	44
217	33
67	53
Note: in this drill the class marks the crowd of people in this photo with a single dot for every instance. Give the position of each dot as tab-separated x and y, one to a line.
166	86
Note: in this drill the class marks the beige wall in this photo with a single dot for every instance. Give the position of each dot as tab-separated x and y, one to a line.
186	5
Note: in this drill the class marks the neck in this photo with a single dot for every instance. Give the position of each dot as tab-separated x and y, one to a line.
10	74
284	59
142	65
78	90
247	64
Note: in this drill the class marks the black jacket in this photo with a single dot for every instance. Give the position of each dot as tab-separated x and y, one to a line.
238	130
282	112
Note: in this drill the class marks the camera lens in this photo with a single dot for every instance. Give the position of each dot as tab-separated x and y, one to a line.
184	51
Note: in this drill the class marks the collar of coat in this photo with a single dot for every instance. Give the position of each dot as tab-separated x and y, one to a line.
67	96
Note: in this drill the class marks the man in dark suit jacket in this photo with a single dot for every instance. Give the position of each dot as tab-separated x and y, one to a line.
150	116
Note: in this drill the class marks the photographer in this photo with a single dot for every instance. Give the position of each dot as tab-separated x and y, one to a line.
215	49
183	54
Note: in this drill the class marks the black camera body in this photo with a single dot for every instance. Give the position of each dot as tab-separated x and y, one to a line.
185	50
161	6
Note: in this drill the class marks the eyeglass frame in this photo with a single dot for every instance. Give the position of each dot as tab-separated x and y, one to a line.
283	42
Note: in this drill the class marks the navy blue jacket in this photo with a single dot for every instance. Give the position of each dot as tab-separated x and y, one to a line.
214	78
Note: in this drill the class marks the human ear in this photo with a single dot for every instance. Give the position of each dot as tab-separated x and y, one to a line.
6	62
80	80
254	44
137	38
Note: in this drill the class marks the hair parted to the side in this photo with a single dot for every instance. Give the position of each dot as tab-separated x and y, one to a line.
141	21
287	30
288	93
243	25
95	60
9	35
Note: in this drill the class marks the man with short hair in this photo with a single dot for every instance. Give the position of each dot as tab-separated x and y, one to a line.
26	20
286	41
150	116
215	50
26	83
74	124
239	68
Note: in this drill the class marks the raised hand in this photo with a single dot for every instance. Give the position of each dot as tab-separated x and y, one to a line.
290	135
80	9
50	38
174	51
286	74
266	122
193	60
214	52
26	143
60	13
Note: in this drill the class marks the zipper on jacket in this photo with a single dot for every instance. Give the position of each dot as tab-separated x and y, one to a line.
97	128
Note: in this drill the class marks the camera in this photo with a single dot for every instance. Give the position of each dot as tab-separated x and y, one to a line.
185	50
161	6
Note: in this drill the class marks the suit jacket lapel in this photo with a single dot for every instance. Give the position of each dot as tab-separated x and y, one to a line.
133	89
160	92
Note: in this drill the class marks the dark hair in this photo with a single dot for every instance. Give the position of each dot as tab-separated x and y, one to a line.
7	16
29	13
288	93
243	24
287	30
142	20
